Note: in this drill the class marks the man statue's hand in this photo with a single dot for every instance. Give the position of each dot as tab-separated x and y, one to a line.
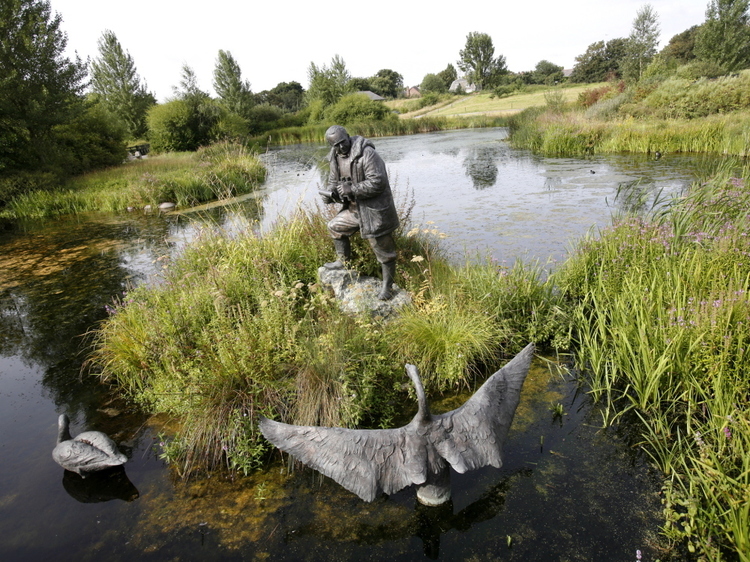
327	196
344	189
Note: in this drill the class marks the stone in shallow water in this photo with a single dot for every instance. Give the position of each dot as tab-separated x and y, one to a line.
358	294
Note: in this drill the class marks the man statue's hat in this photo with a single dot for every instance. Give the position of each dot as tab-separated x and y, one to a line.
336	134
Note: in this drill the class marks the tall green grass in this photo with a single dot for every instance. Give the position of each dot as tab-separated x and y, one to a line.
216	172
239	326
674	115
571	133
679	98
662	323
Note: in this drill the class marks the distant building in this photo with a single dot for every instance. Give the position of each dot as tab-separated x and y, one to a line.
372	95
412	92
463	84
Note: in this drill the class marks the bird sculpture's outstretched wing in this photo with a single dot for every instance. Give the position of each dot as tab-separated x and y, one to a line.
365	462
472	435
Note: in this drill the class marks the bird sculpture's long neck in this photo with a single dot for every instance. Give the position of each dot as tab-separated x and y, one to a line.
63	431
424	408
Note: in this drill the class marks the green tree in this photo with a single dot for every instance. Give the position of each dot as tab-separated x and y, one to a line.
40	88
188	121
115	80
288	96
234	92
600	62
477	60
641	44
448	75
359	85
725	36
681	47
546	72
94	138
188	86
328	84
387	83
432	83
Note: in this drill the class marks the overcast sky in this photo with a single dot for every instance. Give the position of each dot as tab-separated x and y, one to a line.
275	41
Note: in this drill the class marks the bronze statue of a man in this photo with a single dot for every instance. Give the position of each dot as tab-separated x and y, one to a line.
359	181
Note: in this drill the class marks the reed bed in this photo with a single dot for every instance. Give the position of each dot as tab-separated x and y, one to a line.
571	133
385	128
661	321
216	172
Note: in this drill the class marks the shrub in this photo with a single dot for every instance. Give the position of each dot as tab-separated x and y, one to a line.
169	127
94	139
589	97
263	114
183	124
433	83
679	98
699	69
607	108
356	108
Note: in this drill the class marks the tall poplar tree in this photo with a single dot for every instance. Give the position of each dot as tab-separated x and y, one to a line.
328	84
115	80
477	60
641	44
725	36
233	91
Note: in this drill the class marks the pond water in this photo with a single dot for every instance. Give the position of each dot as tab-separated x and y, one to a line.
567	491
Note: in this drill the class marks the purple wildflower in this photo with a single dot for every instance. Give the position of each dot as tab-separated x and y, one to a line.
727	432
699	439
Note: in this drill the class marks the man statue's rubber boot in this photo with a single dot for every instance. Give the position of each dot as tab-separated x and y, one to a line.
343	250
389	272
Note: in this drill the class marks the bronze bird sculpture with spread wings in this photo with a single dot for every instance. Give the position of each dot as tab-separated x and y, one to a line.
370	461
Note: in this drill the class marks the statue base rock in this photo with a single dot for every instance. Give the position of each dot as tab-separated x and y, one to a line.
358	294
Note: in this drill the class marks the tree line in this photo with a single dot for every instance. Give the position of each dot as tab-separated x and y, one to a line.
62	116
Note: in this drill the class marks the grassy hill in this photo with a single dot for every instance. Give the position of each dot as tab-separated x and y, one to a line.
483	104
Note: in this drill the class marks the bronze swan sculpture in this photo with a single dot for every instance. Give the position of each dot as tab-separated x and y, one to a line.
367	462
85	453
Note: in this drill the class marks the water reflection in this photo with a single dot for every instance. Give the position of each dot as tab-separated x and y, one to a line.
54	284
426	523
103	486
480	166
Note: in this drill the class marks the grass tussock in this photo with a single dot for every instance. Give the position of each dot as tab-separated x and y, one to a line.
215	172
661	319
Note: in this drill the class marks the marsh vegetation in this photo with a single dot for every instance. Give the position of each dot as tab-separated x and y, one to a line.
676	115
217	172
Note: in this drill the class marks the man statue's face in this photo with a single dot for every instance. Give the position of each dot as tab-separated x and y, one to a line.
343	146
